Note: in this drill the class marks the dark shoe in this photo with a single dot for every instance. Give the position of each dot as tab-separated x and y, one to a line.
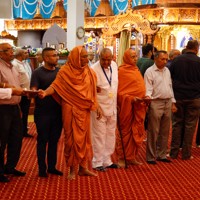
15	172
113	166
4	179
55	171
28	135
164	160
43	174
101	169
173	157
188	158
152	162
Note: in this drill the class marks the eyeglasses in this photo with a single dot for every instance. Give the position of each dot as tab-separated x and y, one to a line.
8	49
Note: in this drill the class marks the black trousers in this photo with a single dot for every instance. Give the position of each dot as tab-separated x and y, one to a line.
198	134
49	128
10	135
25	105
185	119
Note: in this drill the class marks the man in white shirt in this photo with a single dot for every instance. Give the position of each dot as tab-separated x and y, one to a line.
159	88
24	69
103	130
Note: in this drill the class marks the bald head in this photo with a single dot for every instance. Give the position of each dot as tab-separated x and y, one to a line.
105	58
105	51
6	52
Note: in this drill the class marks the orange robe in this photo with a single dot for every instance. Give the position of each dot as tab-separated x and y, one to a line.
131	115
76	88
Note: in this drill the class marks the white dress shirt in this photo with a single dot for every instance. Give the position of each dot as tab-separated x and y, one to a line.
158	83
24	70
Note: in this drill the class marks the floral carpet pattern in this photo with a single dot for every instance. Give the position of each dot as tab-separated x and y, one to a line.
177	180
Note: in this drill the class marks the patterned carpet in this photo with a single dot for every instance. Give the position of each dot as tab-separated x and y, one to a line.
177	180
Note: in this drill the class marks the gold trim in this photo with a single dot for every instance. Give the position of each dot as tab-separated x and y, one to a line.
141	16
127	21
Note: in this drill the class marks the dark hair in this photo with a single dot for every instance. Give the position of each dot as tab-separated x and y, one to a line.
146	48
192	44
155	49
157	53
183	51
47	49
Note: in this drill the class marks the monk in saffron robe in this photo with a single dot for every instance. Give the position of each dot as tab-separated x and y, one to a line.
132	111
75	88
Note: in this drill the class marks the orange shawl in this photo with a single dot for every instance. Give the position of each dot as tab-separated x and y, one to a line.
76	85
76	88
132	115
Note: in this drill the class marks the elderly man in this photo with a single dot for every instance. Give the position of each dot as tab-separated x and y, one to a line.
172	54
40	61
103	130
11	124
25	72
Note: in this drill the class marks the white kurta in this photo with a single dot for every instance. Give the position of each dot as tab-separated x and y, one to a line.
103	130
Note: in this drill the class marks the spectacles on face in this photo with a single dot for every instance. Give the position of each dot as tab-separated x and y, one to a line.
8	49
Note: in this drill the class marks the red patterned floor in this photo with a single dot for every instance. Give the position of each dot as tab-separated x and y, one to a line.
177	180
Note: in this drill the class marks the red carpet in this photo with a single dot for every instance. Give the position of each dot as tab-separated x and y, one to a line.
177	180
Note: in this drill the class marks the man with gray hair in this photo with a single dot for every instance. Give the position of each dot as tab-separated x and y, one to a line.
185	73
25	72
172	54
11	125
39	58
103	130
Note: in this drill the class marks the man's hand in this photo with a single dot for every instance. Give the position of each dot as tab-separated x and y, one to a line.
41	94
17	91
98	89
174	108
99	113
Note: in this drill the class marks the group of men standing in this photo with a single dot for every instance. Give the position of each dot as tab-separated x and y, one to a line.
16	74
175	89
75	90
